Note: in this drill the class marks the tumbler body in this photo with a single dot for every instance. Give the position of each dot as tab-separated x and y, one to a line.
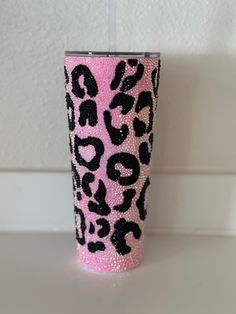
111	105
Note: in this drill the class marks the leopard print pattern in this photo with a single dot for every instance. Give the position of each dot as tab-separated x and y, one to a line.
111	106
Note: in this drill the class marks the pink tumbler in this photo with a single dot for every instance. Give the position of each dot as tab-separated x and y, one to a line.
111	103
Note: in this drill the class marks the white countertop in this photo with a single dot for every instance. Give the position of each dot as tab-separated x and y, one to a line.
180	275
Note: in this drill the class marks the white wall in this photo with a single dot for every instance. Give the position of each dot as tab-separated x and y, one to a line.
197	104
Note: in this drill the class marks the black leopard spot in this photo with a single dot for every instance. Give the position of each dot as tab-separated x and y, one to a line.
70	144
141	200
128	161
73	183
104	231
123	100
66	75
101	207
89	81
93	164
156	78
145	100
151	137
128	196
78	196
132	62
88	112
119	72
96	246
91	228
70	113
82	226
117	136
139	127
86	180
131	80
75	176
122	227
144	154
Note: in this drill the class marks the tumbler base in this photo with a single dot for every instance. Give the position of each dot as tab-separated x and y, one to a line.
93	263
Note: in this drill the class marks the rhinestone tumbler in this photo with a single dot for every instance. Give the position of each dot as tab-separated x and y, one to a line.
111	101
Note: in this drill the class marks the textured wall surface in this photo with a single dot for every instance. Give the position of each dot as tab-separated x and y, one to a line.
197	107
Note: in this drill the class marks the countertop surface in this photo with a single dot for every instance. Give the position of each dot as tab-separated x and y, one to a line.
180	274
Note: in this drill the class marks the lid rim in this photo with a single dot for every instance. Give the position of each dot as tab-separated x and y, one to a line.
111	54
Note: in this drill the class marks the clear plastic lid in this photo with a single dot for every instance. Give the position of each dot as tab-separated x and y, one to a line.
113	54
